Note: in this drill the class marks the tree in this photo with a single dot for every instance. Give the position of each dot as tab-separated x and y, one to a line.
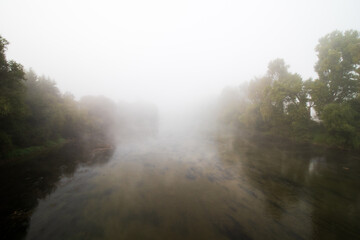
45	116
281	99
231	104
11	83
338	68
280	102
12	90
343	124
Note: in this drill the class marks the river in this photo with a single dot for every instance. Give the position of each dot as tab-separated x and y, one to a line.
183	185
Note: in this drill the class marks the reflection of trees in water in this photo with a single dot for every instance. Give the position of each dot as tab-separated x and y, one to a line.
279	175
26	181
318	184
336	197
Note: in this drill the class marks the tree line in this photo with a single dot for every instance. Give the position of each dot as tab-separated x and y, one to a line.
325	110
34	113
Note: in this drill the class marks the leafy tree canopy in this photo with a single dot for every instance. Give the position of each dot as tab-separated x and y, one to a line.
338	67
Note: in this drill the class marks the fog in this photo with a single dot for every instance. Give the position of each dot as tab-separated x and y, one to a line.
192	119
166	52
168	66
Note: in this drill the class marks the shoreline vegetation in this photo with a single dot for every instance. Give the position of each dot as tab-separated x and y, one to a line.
33	151
34	176
29	153
284	140
46	134
262	138
323	111
35	115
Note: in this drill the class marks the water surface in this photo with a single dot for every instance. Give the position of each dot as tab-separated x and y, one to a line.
187	186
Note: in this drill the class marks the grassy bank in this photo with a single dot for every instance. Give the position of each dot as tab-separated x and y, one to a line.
19	153
318	139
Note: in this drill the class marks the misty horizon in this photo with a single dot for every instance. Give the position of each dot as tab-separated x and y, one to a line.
166	52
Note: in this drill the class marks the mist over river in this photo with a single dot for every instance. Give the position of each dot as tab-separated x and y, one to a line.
193	184
179	120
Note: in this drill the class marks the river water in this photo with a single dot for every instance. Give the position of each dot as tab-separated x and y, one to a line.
205	186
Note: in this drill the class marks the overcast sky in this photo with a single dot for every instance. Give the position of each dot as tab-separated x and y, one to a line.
163	50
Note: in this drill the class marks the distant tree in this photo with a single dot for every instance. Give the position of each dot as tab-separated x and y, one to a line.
74	119
279	98
231	104
101	114
45	116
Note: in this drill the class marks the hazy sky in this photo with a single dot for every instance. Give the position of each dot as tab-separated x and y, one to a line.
166	50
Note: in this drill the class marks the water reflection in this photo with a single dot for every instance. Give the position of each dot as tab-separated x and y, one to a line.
310	193
191	186
22	187
315	164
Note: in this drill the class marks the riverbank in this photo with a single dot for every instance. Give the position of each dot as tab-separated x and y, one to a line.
33	175
316	141
18	154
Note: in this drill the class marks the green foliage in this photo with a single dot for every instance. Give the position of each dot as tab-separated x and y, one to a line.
21	152
45	117
280	102
12	108
34	114
338	67
11	84
342	124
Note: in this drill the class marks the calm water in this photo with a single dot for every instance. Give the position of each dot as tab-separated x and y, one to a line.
184	186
